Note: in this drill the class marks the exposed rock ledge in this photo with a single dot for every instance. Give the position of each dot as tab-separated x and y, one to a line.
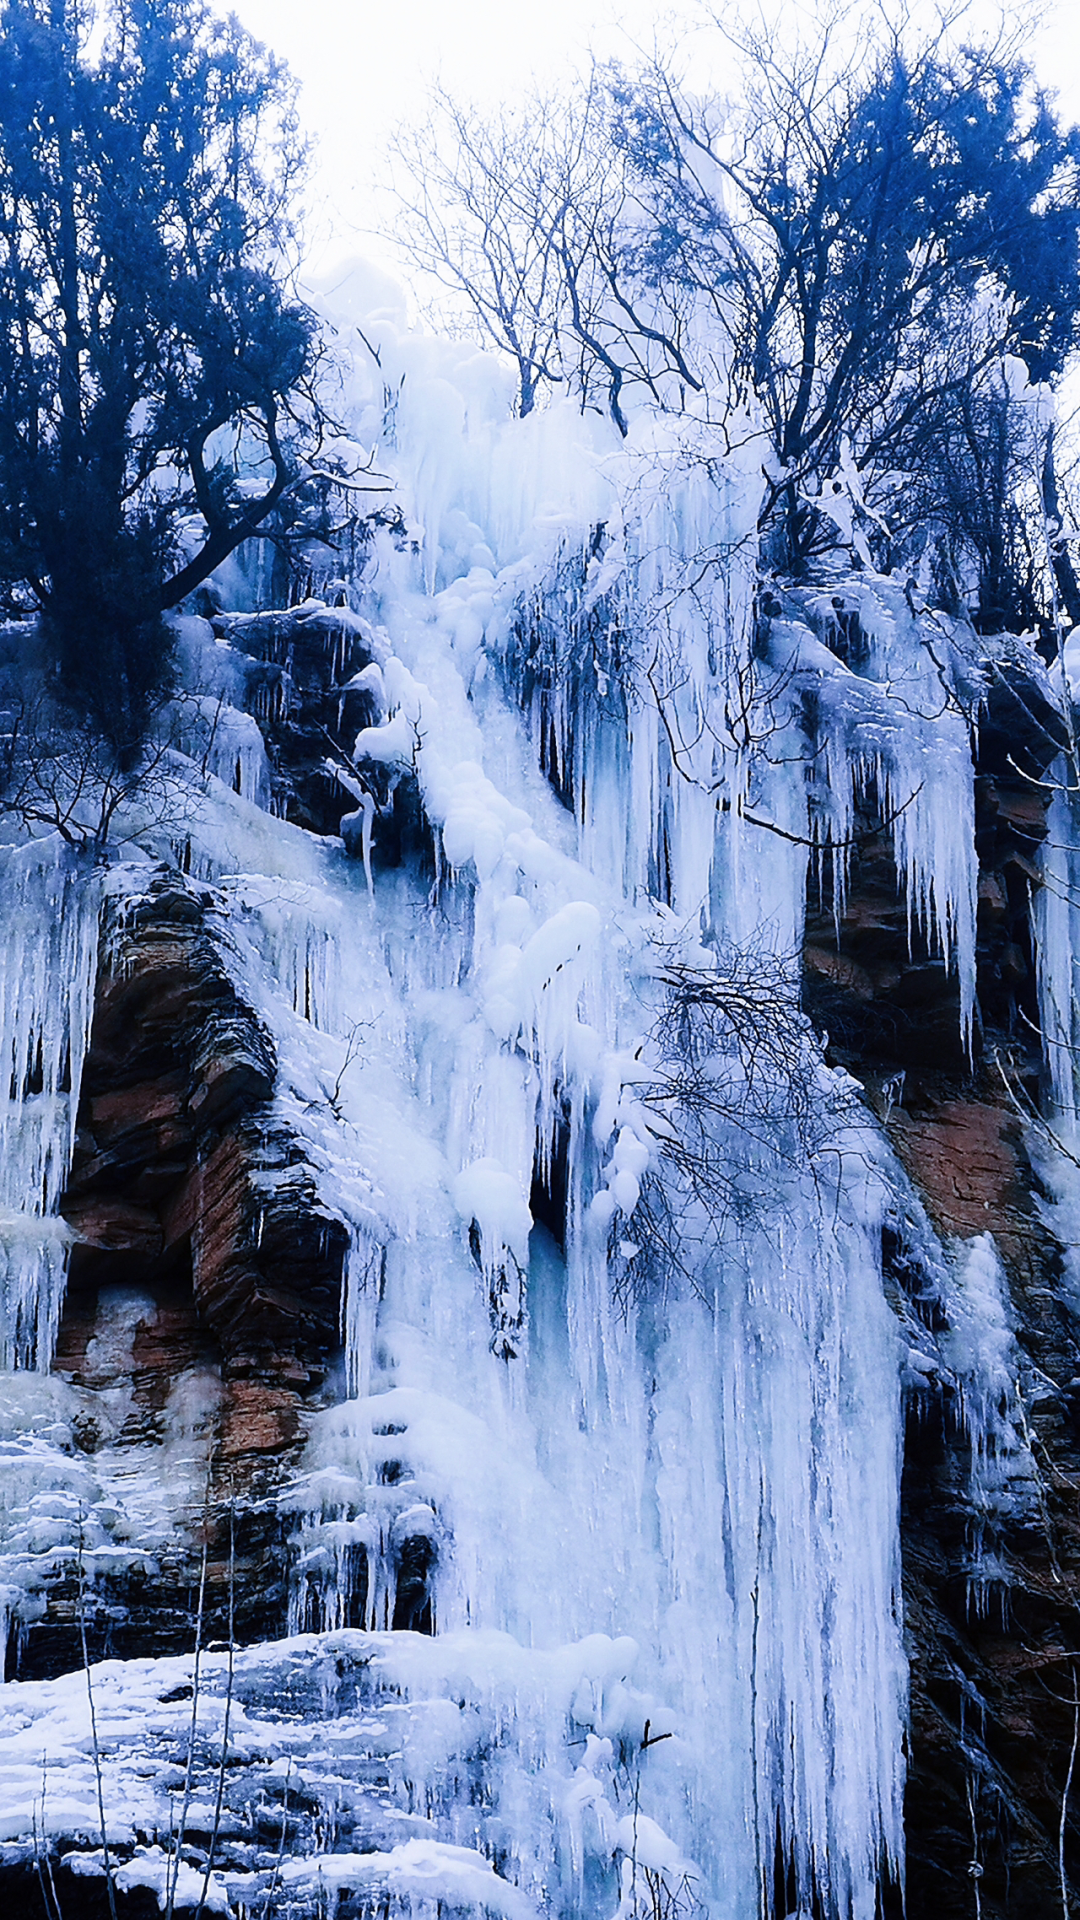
202	1255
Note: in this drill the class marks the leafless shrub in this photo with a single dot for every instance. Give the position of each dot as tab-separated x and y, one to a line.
59	773
742	1112
223	1762
42	1854
176	1855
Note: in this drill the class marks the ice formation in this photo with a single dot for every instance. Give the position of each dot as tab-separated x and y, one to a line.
595	1568
980	1348
1055	1140
48	961
1056	929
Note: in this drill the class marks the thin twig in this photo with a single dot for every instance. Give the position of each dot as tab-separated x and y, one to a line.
1029	1112
216	1829
41	1851
975	1869
186	1799
271	1889
833	846
109	1888
45	1843
1065	1795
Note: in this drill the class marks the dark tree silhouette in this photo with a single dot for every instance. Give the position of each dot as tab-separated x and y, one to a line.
860	248
877	237
153	361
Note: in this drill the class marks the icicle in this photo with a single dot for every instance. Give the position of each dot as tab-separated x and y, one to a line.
359	1308
897	727
1057	943
48	961
980	1347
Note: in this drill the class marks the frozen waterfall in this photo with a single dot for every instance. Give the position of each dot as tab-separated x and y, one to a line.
604	1532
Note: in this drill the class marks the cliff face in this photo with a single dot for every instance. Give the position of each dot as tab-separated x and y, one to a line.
205	1263
991	1583
206	1277
203	1266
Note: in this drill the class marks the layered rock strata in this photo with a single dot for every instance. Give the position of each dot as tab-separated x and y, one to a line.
203	1258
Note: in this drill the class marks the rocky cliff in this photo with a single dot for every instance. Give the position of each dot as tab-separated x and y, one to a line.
991	1582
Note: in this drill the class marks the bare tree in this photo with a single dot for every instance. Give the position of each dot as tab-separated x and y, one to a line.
881	221
529	217
480	204
859	249
731	1079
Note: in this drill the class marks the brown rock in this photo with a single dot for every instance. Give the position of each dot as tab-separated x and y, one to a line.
182	1192
1023	806
126	1108
227	1083
1020	864
840	970
257	1418
114	1224
993	903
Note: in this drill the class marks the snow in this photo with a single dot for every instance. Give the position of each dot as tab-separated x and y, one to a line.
70	1518
369	1732
419	1871
428	1875
486	1193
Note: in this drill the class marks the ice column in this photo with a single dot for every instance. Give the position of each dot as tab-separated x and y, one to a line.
980	1347
48	955
1057	941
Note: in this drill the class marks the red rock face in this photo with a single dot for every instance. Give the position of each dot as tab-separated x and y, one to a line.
965	1157
992	1714
178	1158
187	1198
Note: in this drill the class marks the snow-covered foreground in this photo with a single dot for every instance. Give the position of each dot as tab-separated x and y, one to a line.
652	1445
343	1760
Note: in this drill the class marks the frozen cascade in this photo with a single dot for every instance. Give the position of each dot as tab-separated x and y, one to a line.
673	731
552	1491
1053	1144
48	961
603	1534
898	719
1056	916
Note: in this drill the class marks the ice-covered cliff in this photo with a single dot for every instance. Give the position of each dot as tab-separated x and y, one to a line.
479	1269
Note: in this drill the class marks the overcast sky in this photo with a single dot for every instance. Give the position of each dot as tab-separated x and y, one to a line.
364	65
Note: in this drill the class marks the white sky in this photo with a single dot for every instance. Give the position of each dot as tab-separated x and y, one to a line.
364	65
